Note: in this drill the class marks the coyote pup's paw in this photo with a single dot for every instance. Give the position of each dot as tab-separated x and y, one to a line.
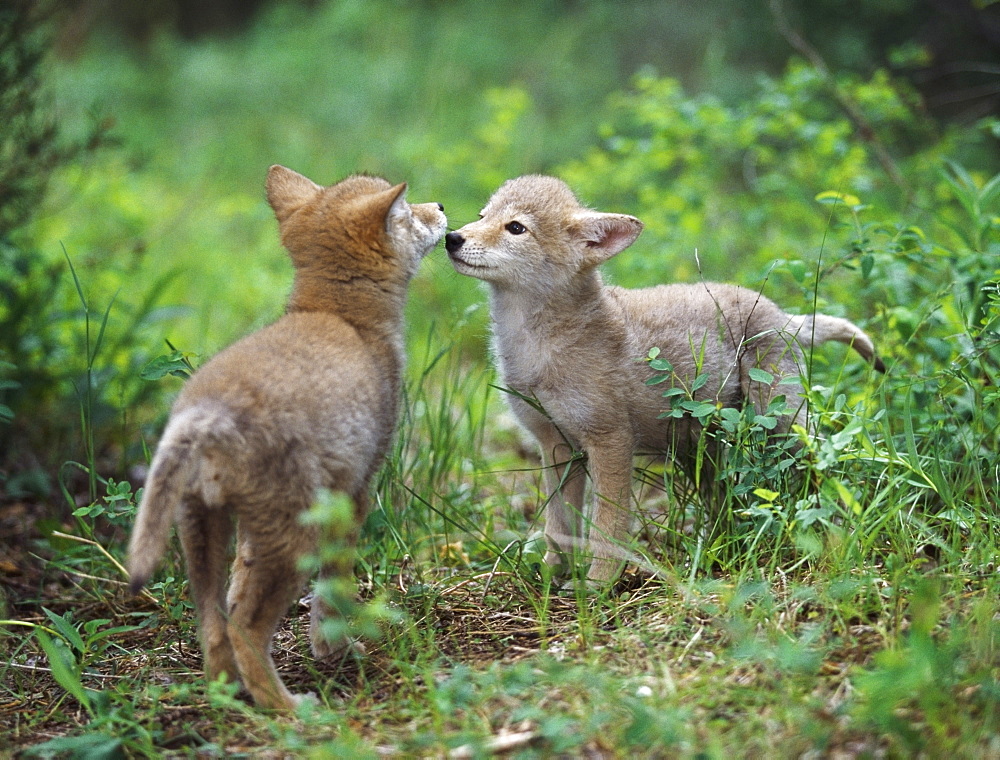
322	649
306	698
558	562
604	572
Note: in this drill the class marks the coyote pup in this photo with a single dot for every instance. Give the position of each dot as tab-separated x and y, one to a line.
309	402
563	338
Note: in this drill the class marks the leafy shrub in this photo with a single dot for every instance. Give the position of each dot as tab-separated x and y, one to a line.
56	368
65	363
30	145
736	183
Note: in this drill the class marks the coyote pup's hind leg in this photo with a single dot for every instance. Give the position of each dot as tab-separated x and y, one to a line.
342	566
205	533
262	587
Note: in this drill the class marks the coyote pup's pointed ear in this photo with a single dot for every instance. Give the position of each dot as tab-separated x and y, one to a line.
604	235
396	208
288	190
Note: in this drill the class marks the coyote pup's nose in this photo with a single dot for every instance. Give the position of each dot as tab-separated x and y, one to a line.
453	241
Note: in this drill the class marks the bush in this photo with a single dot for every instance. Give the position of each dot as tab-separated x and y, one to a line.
36	330
737	183
31	147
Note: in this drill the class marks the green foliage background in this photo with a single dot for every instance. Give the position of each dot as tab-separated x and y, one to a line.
454	99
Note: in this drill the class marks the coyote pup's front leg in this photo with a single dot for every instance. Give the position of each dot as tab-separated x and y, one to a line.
611	472
565	482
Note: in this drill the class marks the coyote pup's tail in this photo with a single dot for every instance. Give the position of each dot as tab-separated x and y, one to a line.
819	328
180	470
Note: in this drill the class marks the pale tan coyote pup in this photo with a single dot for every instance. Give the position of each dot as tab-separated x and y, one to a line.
563	338
309	402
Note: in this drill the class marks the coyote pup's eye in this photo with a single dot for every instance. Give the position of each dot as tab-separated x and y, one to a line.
516	228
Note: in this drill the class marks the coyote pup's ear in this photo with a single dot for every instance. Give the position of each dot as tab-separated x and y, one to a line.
604	235
394	205
288	190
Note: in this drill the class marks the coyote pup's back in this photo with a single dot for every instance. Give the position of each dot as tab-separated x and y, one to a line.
309	402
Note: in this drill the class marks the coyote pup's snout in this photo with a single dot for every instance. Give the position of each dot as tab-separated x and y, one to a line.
562	337
309	402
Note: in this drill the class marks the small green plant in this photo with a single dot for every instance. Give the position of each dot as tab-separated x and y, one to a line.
74	652
88	641
117	507
332	517
918	680
86	395
6	413
101	525
48	347
176	364
739	469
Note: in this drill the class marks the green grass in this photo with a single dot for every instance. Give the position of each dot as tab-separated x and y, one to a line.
850	610
868	631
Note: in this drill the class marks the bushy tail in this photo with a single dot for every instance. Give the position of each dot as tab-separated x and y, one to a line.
178	472
163	492
819	328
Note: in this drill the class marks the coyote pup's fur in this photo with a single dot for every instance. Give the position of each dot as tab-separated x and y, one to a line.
563	338
309	402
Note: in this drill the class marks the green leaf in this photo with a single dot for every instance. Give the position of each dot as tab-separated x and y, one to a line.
76	280
990	192
867	264
766	495
84	747
66	629
761	376
63	666
832	198
100	332
175	363
730	415
91	626
661	365
847	497
699	409
768	423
